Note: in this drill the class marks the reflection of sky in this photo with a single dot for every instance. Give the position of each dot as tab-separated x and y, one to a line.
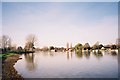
59	23
59	65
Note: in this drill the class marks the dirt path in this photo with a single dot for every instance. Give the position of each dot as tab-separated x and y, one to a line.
8	71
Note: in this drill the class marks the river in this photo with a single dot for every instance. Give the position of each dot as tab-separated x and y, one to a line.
68	65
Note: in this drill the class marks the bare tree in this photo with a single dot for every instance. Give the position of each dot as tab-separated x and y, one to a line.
31	38
30	42
5	44
5	41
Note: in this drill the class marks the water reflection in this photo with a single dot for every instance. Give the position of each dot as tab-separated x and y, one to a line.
51	53
87	54
114	53
49	64
45	53
79	54
30	64
98	54
111	53
69	54
29	58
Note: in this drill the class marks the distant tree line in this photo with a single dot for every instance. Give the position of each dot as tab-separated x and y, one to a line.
98	46
6	46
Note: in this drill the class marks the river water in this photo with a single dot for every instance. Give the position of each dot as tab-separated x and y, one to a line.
68	65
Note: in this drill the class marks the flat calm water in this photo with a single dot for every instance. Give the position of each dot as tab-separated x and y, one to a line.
68	65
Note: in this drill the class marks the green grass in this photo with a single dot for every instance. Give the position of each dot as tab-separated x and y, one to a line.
6	55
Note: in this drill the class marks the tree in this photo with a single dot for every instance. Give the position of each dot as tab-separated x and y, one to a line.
100	46
19	48
78	46
96	45
30	42
86	46
45	48
31	38
5	41
14	47
51	48
113	46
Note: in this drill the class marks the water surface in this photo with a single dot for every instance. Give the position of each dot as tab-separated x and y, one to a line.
68	65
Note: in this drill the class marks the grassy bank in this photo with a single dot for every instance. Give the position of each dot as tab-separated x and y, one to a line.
6	55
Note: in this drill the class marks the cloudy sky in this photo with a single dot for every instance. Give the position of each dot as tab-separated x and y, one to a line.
56	23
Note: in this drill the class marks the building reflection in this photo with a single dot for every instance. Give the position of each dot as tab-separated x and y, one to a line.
29	58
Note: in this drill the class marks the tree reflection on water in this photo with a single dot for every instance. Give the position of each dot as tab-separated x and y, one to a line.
98	54
30	63
67	55
29	58
79	54
114	53
100	63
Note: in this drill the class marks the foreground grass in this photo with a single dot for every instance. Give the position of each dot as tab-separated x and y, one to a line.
6	55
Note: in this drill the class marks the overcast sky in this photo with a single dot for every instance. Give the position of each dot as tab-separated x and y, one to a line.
58	23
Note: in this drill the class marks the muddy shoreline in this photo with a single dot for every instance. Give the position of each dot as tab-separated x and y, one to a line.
8	71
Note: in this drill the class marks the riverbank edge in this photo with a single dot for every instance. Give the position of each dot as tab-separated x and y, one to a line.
8	70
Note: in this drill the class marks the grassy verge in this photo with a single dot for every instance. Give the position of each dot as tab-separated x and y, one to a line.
6	55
